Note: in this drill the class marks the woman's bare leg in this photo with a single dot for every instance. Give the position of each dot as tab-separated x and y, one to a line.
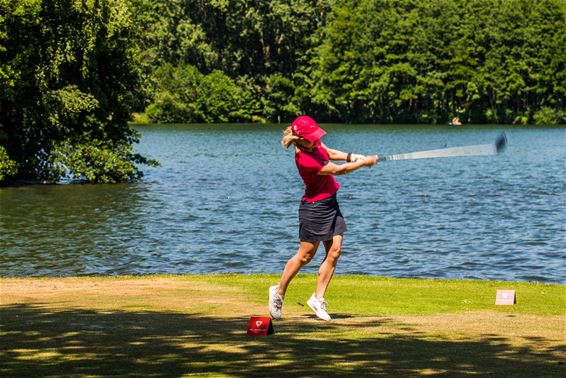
326	271
304	255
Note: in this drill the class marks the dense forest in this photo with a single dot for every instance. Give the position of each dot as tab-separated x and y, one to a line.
375	61
72	72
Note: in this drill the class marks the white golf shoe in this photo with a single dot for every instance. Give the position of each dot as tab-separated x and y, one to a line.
318	305
275	303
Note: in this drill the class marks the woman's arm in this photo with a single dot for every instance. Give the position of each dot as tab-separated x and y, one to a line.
334	154
339	155
342	169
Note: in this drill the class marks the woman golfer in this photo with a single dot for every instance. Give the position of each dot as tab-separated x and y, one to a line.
320	219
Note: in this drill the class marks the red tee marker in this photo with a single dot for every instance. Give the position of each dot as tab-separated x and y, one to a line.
260	326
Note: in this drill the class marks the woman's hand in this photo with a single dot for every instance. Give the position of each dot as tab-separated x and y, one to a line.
342	169
356	157
370	160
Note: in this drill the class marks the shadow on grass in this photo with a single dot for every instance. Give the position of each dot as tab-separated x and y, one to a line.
38	341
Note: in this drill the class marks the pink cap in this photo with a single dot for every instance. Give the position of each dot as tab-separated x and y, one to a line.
306	127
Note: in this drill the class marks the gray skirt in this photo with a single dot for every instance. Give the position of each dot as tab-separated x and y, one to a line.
320	220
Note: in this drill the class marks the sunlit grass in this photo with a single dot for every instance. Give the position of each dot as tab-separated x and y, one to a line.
382	296
177	325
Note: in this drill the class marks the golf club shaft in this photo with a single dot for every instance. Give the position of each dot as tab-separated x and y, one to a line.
476	150
481	149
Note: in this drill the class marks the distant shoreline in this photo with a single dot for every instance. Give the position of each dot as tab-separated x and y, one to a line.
287	122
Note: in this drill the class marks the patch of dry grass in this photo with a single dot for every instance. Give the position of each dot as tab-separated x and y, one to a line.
183	325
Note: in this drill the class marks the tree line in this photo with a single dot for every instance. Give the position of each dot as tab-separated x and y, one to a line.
374	61
72	72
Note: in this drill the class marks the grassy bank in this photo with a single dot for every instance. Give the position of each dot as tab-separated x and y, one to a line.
196	325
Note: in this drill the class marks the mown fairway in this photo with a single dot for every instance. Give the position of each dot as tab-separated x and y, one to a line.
196	325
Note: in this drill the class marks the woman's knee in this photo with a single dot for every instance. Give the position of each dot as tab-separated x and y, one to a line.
334	252
305	258
306	252
333	248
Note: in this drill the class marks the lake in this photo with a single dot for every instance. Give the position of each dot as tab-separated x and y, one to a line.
225	199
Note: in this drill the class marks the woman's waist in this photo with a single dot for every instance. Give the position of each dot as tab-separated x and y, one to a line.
319	193
327	199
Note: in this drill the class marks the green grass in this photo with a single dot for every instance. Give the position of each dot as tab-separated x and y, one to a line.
195	325
380	296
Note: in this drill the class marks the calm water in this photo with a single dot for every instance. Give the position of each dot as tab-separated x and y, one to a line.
225	199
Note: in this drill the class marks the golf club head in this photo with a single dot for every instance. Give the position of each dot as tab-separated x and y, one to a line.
501	143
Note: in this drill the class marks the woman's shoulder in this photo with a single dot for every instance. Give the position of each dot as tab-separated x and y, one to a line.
310	159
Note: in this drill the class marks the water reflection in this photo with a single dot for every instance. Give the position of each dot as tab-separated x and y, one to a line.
70	229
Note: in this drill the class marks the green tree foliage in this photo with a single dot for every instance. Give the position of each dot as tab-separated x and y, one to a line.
426	60
68	73
248	41
72	71
185	95
549	116
238	37
364	60
8	167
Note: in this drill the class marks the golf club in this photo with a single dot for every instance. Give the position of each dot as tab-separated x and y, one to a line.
475	150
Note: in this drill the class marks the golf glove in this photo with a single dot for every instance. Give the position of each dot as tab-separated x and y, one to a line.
356	157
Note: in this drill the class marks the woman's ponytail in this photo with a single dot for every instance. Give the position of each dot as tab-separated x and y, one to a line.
288	138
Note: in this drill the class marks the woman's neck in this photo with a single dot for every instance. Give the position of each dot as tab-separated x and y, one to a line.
298	148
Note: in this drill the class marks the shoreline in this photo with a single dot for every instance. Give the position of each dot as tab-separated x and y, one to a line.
228	274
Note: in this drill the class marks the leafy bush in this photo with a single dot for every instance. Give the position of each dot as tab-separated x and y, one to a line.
279	94
140	118
69	73
185	95
8	167
223	100
549	116
97	162
176	95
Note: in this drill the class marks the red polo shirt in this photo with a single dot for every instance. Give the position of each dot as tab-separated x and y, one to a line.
317	187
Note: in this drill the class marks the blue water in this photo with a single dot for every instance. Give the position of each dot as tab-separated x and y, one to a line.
225	199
